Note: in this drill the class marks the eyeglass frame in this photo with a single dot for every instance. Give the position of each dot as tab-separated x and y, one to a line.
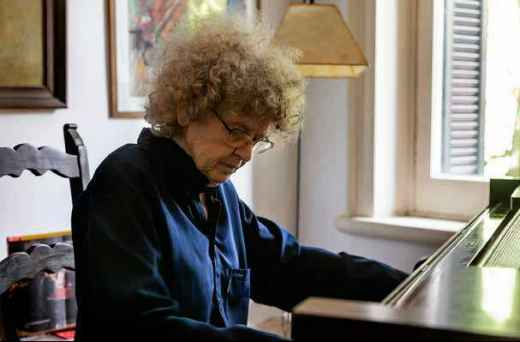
241	134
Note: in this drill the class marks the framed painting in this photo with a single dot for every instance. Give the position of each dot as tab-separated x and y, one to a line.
33	54
137	27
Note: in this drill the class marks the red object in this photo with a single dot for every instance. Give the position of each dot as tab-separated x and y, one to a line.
61	293
65	334
14	238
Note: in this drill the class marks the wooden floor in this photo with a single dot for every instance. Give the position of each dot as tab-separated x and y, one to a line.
280	325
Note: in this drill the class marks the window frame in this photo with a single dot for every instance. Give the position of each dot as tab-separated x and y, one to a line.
380	112
438	194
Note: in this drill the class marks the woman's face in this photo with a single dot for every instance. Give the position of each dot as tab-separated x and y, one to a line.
208	142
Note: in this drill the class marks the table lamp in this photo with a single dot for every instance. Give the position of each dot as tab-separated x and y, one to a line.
328	48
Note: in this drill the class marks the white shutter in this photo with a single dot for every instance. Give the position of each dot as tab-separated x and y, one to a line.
463	124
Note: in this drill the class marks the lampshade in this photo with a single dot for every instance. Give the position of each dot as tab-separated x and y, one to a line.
328	47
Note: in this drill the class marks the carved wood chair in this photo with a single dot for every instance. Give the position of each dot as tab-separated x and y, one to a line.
19	268
72	165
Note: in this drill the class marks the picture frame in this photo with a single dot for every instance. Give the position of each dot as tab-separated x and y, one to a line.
134	31
33	58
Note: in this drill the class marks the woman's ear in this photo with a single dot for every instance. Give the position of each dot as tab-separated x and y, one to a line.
182	118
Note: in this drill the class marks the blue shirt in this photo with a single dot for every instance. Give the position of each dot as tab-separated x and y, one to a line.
148	263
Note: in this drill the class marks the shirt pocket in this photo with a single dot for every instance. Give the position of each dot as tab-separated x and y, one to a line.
239	284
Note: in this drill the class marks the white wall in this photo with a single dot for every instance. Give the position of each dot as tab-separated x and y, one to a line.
324	183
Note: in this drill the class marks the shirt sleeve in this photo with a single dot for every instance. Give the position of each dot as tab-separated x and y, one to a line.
284	273
118	257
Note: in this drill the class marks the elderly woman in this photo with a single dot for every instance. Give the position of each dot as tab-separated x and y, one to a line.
164	245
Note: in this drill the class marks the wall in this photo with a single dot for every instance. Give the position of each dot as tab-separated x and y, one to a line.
324	185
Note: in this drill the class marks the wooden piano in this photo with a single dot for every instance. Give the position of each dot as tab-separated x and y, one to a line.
468	290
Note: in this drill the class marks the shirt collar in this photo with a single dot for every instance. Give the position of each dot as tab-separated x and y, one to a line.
178	167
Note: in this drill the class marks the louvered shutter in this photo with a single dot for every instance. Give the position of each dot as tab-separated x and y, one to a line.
463	124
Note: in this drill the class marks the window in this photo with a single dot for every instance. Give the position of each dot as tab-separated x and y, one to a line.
435	116
392	193
481	85
466	108
462	113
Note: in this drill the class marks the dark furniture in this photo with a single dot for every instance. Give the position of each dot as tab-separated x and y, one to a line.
468	290
20	267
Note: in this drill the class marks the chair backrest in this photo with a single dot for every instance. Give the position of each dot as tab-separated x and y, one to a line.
18	267
72	165
74	146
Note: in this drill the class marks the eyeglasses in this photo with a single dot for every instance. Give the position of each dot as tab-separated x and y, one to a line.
239	137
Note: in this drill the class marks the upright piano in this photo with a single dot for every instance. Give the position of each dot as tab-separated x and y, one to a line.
468	290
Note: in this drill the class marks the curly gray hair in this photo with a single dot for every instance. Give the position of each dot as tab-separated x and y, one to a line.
222	62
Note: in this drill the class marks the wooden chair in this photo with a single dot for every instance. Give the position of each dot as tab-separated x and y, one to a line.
23	266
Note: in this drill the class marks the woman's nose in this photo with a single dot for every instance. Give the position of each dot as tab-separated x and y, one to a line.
244	152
